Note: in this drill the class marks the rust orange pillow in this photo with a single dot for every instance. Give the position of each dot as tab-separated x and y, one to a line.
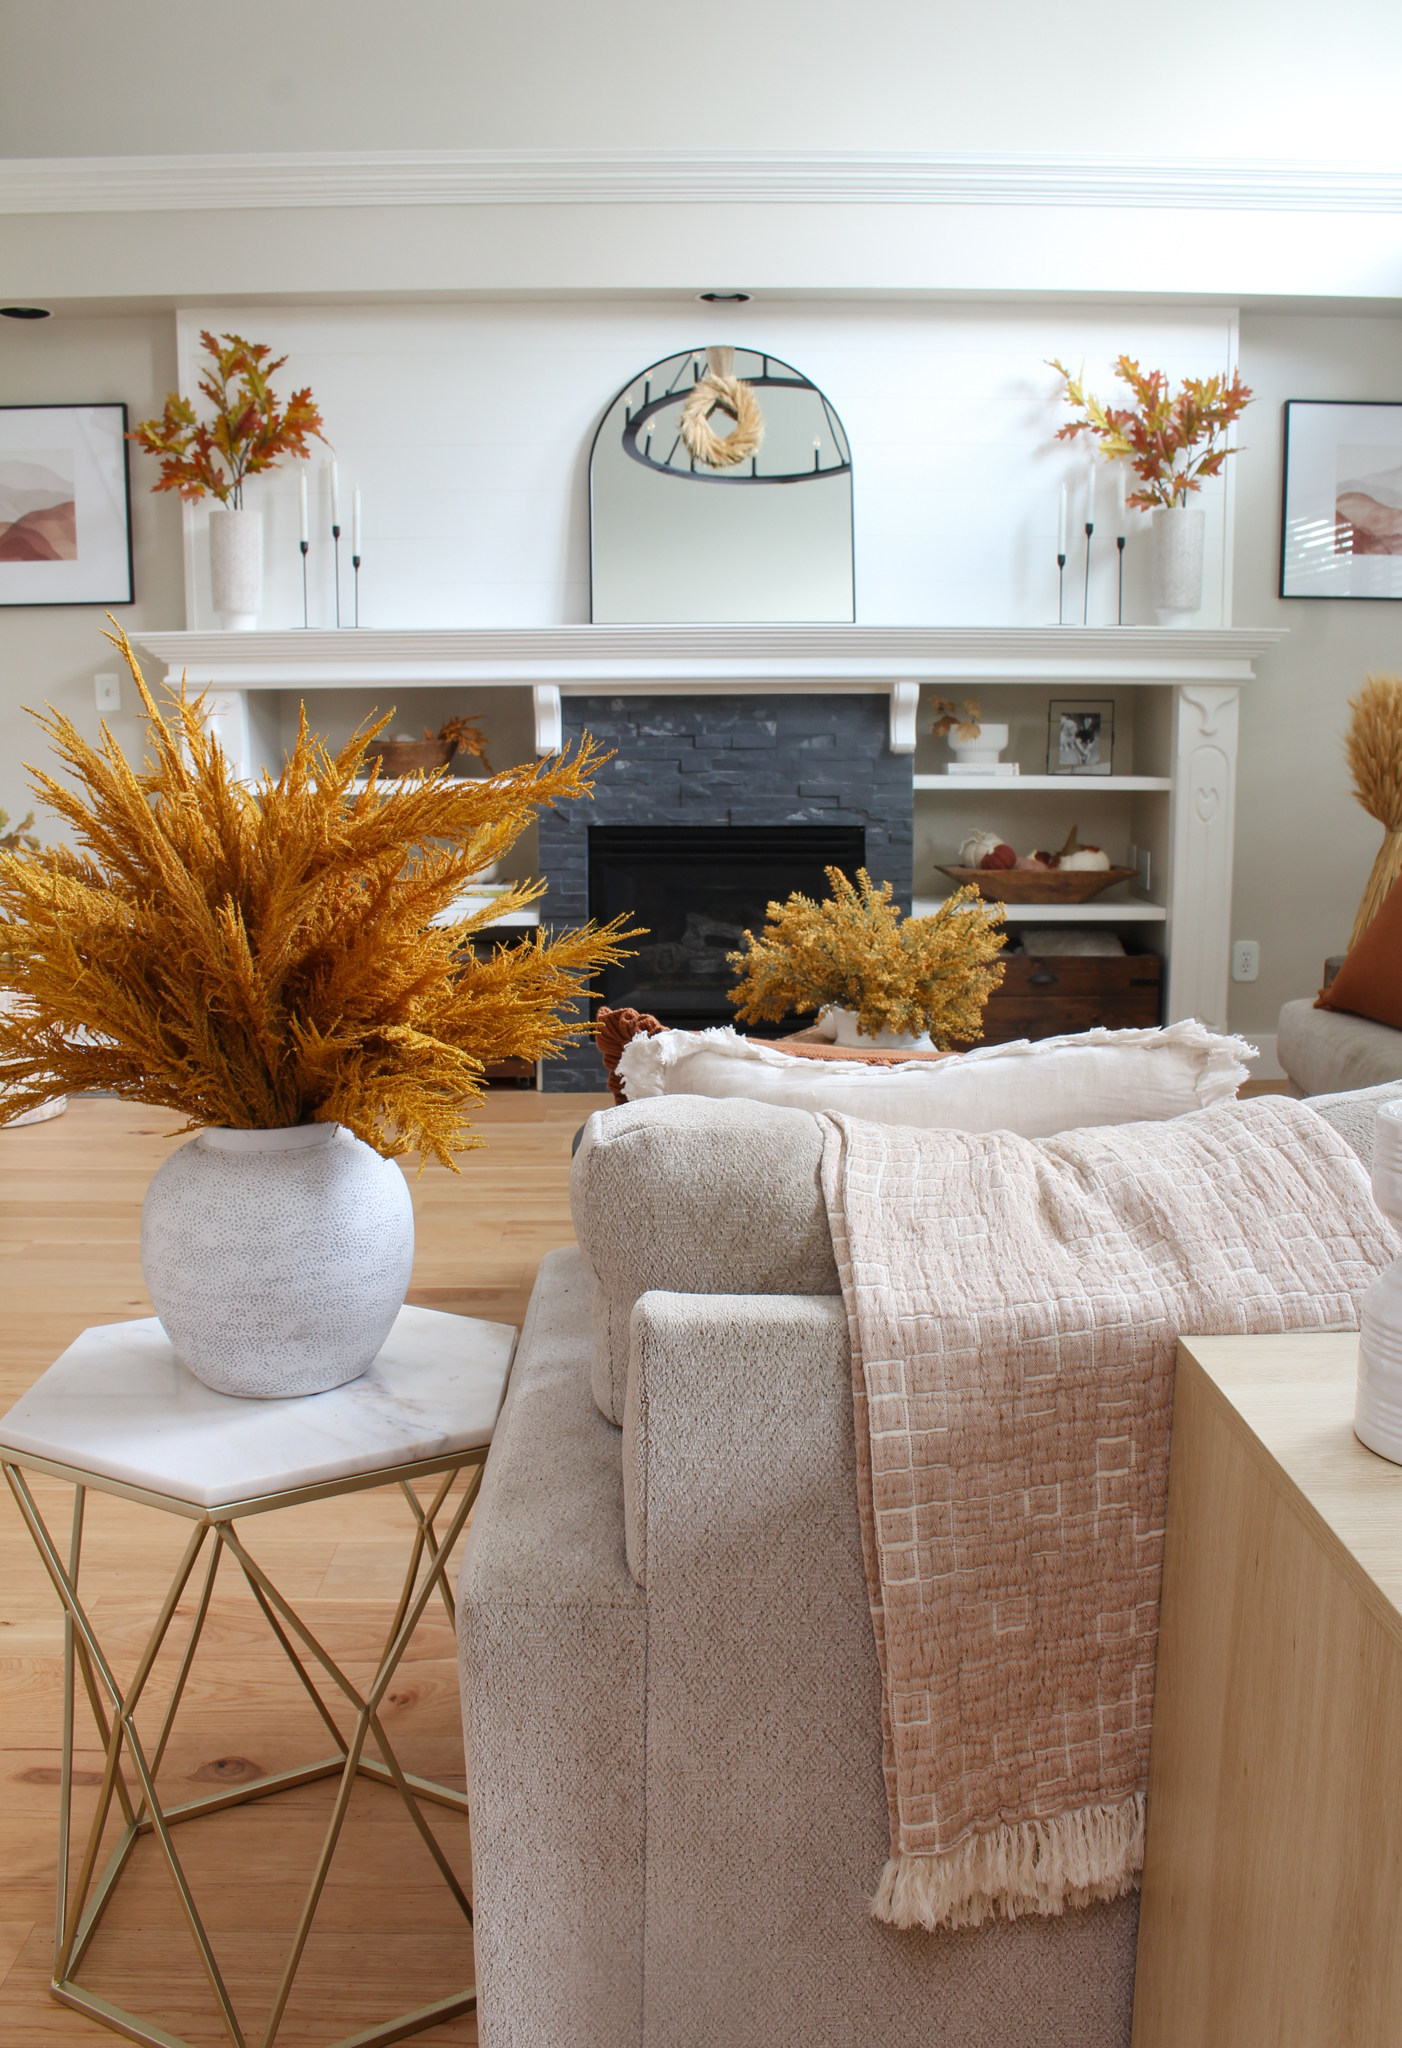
1369	984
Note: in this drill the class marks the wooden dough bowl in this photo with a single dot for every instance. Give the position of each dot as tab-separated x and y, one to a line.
1025	885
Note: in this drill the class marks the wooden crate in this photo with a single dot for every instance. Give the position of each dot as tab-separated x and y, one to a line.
1042	998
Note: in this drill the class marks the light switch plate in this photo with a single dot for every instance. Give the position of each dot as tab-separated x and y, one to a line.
1246	960
109	691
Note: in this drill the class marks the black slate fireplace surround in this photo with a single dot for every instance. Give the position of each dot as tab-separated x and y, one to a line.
697	889
819	761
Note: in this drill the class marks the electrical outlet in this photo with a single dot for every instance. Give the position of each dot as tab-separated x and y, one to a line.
1139	860
1246	960
109	691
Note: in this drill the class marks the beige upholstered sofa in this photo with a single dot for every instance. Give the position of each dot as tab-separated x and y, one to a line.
671	1696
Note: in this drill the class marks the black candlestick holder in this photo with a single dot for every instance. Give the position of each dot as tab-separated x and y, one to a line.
1120	614
1060	589
1085	604
355	564
304	545
336	537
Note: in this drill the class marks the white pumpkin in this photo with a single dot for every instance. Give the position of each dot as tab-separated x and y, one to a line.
978	844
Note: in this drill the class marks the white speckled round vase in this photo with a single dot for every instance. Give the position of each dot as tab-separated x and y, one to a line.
236	567
1377	1414
277	1260
1177	538
848	1033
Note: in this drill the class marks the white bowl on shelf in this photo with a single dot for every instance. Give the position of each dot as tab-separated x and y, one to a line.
982	752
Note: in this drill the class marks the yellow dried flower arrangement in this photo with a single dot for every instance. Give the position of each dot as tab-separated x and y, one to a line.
856	952
256	956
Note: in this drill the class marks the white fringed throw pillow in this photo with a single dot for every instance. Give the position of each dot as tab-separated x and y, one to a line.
1034	1088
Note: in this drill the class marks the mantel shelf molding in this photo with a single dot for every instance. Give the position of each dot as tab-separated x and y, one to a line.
646	660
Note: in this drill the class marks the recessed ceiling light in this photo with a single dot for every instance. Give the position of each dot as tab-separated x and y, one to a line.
725	298
25	312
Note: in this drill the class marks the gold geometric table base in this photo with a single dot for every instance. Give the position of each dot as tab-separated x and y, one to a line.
76	1916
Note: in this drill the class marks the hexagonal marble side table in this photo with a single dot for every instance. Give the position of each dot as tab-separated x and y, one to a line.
119	1413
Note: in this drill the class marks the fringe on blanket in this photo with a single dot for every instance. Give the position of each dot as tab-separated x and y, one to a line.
1030	1866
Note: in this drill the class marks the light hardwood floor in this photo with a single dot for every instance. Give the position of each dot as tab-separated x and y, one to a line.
387	1937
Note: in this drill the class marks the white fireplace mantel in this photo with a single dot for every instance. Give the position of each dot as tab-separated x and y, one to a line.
645	660
1202	669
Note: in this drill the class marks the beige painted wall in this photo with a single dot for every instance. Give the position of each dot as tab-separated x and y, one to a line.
52	652
1303	846
1261	77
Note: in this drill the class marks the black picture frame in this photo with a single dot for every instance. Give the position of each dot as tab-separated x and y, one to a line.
1082	727
1324	441
56	550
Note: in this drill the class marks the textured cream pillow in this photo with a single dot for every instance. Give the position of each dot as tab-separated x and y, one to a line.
1035	1089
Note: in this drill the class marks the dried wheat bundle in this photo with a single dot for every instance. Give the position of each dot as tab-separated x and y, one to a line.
259	956
1373	750
855	952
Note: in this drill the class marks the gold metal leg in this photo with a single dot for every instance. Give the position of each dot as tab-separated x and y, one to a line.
78	1912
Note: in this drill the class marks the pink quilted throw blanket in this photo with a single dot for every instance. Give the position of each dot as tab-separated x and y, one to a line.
1015	1307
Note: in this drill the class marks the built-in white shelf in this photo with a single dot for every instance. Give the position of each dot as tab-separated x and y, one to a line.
1098	912
1077	784
474	900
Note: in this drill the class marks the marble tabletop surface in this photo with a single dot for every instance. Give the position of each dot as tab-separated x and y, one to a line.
120	1405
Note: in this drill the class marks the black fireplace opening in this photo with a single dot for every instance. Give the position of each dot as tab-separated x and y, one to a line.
698	889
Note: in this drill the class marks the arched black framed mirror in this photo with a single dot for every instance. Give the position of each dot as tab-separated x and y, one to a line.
686	529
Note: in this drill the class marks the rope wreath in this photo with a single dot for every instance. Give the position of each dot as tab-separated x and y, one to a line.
716	393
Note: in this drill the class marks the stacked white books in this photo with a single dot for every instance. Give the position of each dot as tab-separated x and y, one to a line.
982	768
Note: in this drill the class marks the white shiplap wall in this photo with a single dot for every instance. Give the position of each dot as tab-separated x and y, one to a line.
467	428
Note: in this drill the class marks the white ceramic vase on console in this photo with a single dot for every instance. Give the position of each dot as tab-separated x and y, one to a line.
1176	542
277	1260
846	1031
1377	1415
236	566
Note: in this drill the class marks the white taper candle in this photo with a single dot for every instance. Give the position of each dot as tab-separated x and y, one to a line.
1061	524
1119	501
302	480
1090	495
335	496
355	522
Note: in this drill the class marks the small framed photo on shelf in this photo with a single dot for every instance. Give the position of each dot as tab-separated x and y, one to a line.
65	505
1081	736
1341	521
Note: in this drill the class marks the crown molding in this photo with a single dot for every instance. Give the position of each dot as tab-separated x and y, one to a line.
596	177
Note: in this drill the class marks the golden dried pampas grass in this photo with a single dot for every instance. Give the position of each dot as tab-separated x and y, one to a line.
856	952
729	395
1373	750
263	955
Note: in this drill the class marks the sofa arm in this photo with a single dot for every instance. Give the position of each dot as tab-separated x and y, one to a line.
701	1197
551	1634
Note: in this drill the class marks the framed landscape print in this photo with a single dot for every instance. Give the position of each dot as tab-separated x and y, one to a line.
1341	530
1080	736
65	505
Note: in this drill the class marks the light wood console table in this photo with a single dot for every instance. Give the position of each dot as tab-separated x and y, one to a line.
1272	1900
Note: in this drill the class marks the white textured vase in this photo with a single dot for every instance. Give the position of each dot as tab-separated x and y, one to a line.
984	750
1176	535
884	1041
277	1260
236	567
1377	1414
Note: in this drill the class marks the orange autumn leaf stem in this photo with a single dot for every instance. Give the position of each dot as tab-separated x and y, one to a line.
1160	436
249	431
